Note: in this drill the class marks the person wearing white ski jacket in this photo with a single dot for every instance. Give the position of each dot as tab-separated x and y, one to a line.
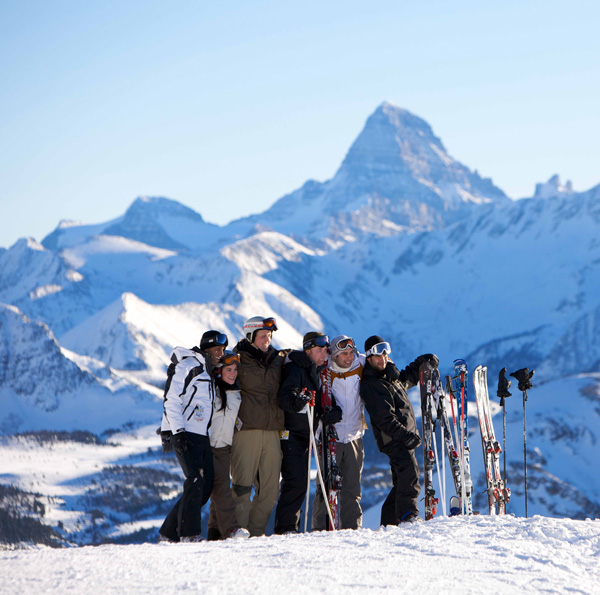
222	520
345	371
187	414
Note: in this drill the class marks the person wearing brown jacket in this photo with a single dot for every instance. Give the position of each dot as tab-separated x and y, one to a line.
256	451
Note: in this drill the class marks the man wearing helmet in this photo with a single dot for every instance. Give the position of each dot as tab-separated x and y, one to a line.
384	390
255	451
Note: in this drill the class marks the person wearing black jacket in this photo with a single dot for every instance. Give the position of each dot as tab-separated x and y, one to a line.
300	376
384	390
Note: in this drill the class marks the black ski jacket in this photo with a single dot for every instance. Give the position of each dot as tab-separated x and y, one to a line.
299	372
386	400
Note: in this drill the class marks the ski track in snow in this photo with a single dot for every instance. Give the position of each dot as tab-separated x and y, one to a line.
446	555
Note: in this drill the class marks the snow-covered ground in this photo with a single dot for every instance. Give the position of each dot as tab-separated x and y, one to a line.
459	555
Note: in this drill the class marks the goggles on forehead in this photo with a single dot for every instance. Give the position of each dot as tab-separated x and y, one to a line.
219	339
270	324
379	349
345	344
228	359
320	341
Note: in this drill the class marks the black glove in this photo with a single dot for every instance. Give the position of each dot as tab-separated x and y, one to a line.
430	358
301	400
411	440
524	377
503	386
181	442
332	415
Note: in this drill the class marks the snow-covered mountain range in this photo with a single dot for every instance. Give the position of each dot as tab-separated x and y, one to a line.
404	241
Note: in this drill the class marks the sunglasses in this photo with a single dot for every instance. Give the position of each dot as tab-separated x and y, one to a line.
345	344
379	349
320	341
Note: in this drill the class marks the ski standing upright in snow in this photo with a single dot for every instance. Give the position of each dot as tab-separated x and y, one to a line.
446	431
329	437
428	406
458	386
498	492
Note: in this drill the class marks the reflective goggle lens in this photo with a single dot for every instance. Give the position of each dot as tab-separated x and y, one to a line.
345	344
229	359
379	349
270	324
321	341
220	339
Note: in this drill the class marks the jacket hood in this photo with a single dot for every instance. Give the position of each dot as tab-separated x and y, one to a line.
181	352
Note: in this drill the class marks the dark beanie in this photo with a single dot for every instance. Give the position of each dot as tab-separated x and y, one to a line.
310	336
209	339
372	341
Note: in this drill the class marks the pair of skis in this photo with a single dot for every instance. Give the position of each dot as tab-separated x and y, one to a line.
497	490
330	477
433	400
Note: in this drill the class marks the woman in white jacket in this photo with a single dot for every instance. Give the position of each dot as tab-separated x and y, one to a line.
222	521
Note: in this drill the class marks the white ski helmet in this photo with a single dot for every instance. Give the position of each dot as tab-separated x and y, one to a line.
257	323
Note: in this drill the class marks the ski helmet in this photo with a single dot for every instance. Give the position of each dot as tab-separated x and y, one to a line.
257	323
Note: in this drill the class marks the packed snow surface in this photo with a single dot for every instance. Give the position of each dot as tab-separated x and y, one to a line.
480	554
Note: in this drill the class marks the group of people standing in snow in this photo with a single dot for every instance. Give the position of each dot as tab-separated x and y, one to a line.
238	422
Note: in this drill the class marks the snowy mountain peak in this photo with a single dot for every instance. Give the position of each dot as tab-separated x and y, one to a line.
144	221
553	188
394	141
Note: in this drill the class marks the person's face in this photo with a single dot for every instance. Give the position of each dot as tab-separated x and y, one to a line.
229	373
215	353
379	362
344	359
318	355
262	339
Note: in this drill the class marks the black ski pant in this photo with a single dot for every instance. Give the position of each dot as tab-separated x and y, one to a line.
184	520
294	478
402	501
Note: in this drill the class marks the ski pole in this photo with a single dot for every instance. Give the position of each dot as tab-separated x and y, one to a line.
310	414
319	474
503	394
524	377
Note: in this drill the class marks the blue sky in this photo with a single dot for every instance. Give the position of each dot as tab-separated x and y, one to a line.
227	106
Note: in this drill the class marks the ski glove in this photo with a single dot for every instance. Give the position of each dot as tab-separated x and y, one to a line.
411	440
301	400
181	442
332	415
430	358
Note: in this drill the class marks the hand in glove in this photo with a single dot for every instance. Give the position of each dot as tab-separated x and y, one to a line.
302	399
411	440
430	358
332	415
181	442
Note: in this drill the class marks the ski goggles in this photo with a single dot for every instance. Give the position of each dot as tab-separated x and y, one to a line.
229	359
219	339
320	341
345	344
379	349
270	324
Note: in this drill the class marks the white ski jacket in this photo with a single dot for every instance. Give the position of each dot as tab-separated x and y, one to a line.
223	421
188	403
345	385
